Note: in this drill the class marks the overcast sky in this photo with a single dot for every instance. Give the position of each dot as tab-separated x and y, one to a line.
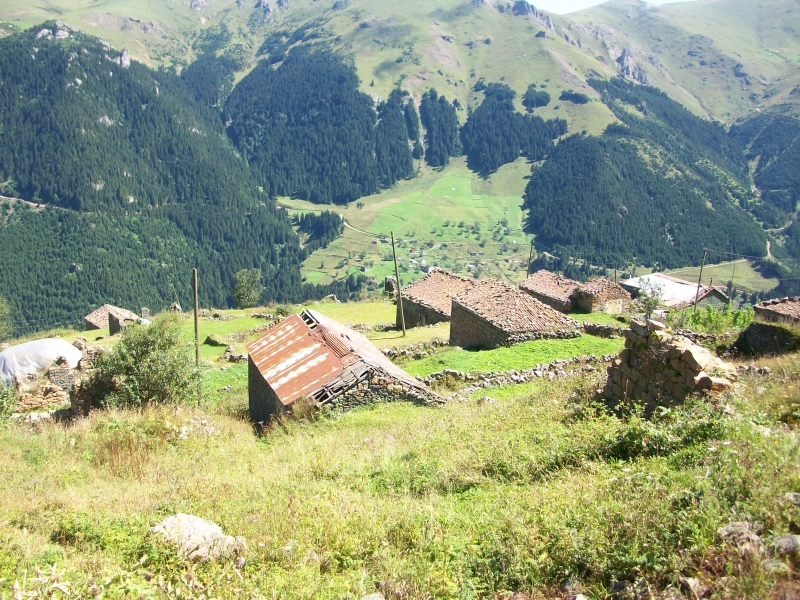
562	7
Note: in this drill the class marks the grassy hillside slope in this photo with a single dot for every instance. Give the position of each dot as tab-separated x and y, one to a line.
520	493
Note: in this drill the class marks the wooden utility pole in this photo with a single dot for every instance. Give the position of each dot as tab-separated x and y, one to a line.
196	319
700	279
399	293
732	276
615	272
530	259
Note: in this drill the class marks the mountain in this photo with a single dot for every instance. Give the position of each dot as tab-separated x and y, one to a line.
118	182
642	133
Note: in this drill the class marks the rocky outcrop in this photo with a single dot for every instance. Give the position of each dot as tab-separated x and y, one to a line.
628	68
198	5
657	369
197	539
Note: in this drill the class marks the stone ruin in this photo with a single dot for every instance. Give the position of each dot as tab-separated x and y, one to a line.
659	369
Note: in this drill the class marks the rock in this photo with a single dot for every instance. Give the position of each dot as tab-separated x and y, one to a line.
375	596
774	567
786	546
695	588
198	539
215	340
743	536
792	498
81	343
720	384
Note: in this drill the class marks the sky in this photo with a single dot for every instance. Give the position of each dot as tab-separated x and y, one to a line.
563	7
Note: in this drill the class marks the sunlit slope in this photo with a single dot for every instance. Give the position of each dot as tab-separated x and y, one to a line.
722	58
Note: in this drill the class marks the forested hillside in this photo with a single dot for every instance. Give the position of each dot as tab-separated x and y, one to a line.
309	131
655	189
495	134
140	181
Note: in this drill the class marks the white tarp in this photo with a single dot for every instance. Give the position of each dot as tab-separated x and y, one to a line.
21	360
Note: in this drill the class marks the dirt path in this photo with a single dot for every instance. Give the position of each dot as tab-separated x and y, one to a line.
346	224
769	254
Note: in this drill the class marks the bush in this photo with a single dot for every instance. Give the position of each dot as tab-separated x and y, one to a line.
150	365
8	401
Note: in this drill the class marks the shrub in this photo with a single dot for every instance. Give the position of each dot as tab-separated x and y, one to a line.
150	365
8	401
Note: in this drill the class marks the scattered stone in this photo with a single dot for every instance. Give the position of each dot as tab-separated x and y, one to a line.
375	596
230	356
81	343
774	567
694	587
198	539
793	498
786	546
743	536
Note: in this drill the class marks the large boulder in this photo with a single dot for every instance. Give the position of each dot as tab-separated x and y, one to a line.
198	539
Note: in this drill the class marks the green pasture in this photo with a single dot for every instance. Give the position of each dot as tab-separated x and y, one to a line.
744	276
522	356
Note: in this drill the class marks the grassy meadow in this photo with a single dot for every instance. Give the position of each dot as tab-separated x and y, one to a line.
477	499
741	272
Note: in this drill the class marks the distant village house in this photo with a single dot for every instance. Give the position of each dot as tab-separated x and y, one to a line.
602	295
559	292
554	290
429	300
493	313
781	310
677	294
99	319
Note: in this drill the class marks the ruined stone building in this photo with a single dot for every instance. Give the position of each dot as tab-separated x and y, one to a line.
780	310
602	295
554	290
493	313
310	356
99	319
429	300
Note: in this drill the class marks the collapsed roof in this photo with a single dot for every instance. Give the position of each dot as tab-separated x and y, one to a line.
310	355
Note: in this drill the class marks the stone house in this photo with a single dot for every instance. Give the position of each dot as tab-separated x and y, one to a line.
493	313
677	294
429	300
312	357
554	290
602	295
780	310
98	319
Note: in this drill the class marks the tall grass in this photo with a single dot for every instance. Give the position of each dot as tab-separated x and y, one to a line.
517	494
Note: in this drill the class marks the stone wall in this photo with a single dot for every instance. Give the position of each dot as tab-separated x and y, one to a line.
471	332
602	330
382	387
553	370
601	303
560	334
657	369
418	315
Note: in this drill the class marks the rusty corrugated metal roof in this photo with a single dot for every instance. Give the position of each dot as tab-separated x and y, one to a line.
305	352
